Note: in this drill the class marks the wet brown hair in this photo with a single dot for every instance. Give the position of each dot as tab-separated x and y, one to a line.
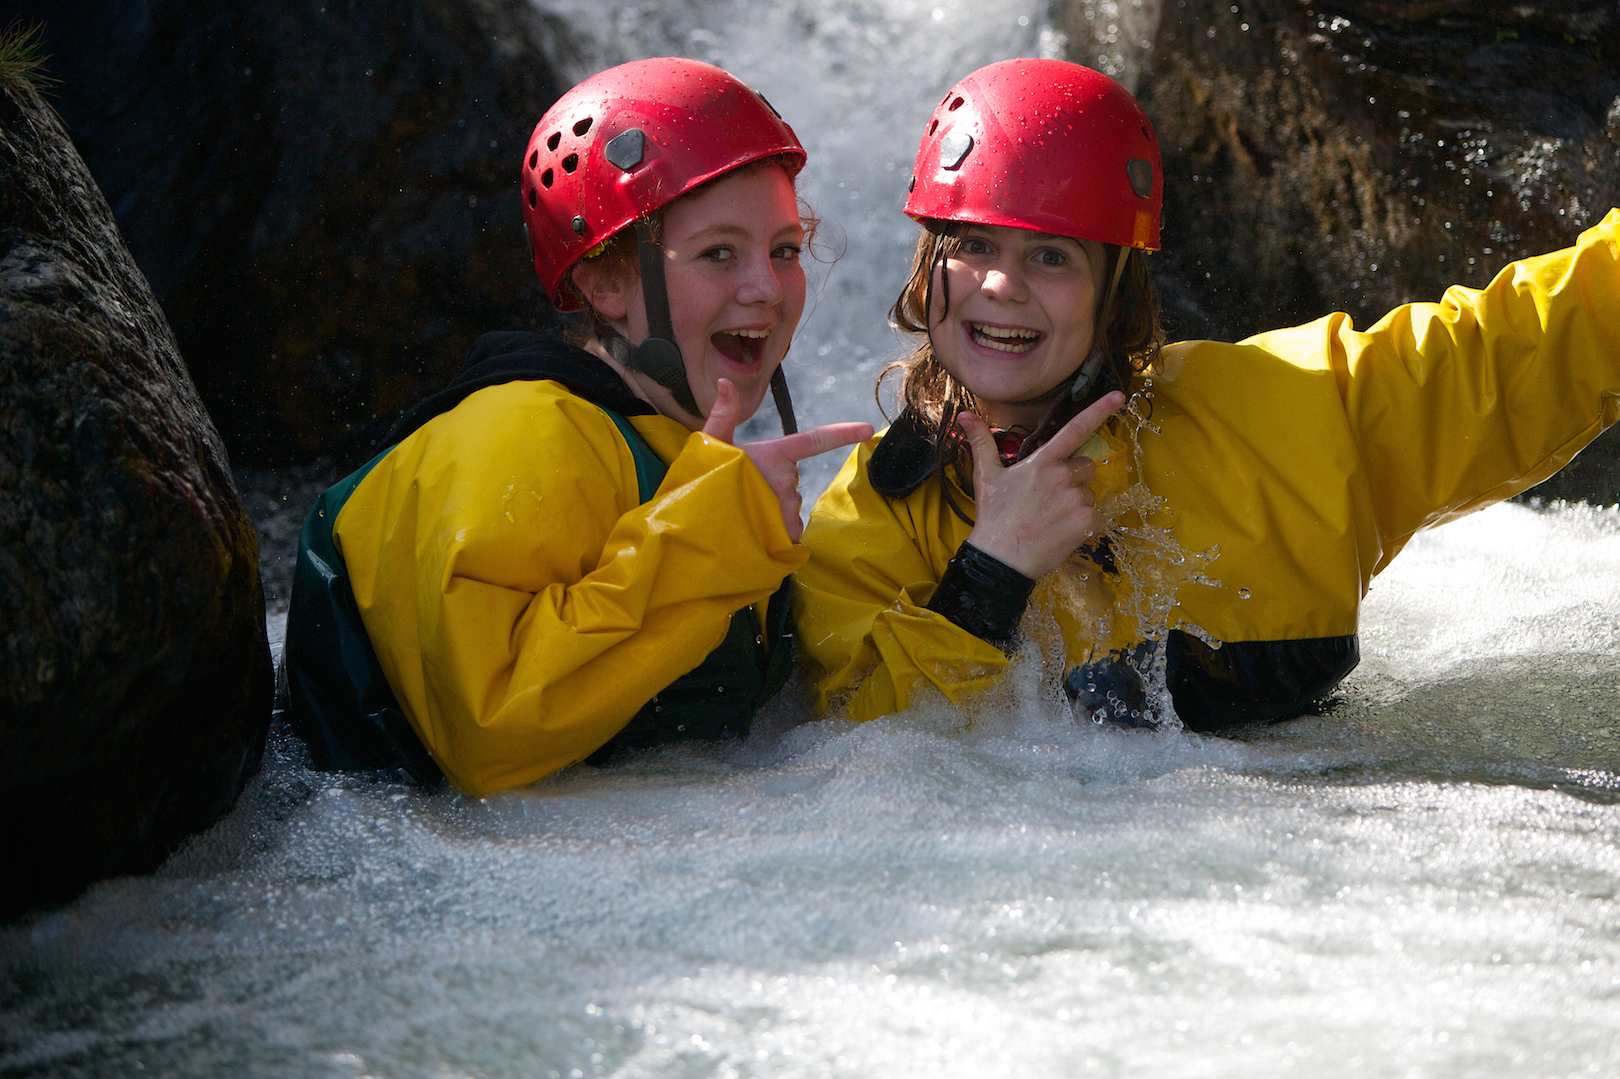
1131	341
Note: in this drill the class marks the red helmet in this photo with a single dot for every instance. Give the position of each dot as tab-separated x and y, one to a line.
630	140
1044	145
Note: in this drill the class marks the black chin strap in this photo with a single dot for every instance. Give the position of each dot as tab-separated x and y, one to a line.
659	357
784	403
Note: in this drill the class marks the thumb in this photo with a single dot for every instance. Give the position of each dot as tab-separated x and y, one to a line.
722	421
985	455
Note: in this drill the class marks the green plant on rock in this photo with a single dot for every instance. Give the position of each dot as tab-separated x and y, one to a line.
21	60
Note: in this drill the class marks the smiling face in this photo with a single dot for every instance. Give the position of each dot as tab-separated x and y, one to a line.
736	287
1021	317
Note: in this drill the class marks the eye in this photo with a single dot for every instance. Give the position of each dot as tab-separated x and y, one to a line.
718	253
1051	256
787	252
975	245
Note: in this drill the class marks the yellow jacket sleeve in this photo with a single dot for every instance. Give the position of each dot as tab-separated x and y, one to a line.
1461	403
521	599
863	624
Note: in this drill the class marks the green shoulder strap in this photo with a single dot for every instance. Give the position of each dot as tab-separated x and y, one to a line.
650	468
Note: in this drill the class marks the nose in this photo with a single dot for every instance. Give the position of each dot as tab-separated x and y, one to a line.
760	283
1003	281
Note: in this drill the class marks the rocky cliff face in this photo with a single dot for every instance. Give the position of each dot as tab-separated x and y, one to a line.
1355	154
134	672
323	194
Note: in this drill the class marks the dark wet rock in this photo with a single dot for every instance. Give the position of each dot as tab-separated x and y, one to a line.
1593	477
323	194
134	672
1358	154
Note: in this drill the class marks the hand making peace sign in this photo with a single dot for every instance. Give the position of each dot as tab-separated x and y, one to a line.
1033	514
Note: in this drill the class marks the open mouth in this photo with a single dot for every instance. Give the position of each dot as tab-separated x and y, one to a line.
1011	339
741	346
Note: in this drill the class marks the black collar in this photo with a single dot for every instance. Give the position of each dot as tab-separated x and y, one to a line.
904	458
520	355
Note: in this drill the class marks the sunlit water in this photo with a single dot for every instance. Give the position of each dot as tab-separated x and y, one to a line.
1421	883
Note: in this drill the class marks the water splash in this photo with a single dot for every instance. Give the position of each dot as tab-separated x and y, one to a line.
1131	620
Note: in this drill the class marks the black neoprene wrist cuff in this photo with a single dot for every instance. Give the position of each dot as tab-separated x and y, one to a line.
983	595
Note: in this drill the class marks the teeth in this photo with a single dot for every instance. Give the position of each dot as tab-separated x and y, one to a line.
749	333
1005	333
1004	339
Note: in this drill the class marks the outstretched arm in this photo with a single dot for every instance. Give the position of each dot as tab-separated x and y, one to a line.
1461	403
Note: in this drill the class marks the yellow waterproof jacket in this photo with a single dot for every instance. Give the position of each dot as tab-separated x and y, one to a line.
521	598
1281	473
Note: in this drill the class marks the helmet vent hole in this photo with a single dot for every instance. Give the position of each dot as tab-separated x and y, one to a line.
545	179
1140	174
570	163
583	126
556	137
953	150
534	160
956	105
933	126
534	198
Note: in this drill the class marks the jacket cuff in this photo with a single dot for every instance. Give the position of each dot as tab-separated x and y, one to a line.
983	595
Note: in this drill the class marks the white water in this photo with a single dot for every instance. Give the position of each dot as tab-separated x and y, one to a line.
1423	883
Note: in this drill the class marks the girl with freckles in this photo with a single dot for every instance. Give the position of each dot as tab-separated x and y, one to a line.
1212	539
566	555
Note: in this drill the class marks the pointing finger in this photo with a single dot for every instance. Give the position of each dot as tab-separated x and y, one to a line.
1073	434
821	439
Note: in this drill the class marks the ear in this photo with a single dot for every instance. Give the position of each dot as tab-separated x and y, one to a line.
606	287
